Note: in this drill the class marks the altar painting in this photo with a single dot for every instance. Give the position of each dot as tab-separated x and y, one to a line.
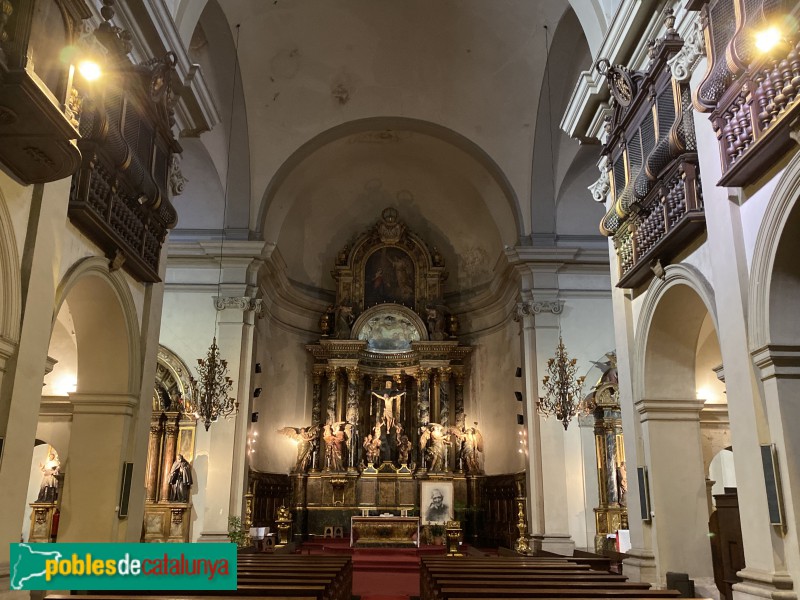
389	277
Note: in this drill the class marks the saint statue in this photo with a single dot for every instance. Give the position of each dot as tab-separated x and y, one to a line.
48	489
180	480
471	442
433	442
403	445
335	438
372	447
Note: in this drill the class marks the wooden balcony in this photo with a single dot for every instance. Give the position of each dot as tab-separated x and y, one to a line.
662	225
755	117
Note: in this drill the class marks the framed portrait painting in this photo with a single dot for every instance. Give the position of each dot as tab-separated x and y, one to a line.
436	502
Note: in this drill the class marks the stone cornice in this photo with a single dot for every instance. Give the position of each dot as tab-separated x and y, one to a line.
777	361
669	409
55	406
103	404
715	414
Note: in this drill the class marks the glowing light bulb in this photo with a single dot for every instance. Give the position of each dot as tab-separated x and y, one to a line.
767	39
90	70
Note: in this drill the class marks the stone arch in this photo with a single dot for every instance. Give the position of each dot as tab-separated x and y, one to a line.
10	283
774	281
271	217
674	311
106	287
105	404
688	282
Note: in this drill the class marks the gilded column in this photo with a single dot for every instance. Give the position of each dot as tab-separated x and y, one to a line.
459	399
444	396
332	389
316	397
153	456
170	448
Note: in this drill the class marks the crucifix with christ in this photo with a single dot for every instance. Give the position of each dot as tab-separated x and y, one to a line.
390	411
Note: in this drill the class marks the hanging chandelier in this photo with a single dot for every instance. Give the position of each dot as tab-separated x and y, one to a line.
563	392
211	400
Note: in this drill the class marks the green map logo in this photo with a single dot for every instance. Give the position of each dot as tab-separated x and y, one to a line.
123	567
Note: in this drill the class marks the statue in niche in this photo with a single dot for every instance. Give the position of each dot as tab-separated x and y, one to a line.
471	448
48	489
390	409
344	322
306	438
437	322
180	480
335	438
433	441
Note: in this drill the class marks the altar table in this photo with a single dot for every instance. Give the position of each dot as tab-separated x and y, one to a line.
384	532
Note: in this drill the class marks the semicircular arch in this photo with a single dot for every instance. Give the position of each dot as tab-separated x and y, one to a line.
272	214
102	305
10	283
773	274
683	295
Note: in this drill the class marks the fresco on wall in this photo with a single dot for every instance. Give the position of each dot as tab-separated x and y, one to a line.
389	277
389	331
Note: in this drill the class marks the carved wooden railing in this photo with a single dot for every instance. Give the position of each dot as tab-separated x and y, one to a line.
650	154
119	197
752	97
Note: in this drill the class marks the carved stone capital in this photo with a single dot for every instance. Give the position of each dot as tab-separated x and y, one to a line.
243	303
683	63
535	307
177	181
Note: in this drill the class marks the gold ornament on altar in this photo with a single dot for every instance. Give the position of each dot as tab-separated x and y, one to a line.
563	391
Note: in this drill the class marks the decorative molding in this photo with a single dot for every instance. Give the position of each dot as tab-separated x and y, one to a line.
535	307
669	409
243	303
683	63
600	188
177	181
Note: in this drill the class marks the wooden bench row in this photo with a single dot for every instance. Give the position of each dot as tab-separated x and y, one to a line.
446	578
268	576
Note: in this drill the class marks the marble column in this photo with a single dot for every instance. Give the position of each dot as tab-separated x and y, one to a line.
459	398
331	373
316	397
444	396
153	455
170	447
423	396
352	417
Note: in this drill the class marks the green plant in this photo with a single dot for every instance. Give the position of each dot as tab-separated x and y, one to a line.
235	532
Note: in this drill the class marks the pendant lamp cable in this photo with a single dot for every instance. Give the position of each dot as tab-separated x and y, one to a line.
550	138
227	171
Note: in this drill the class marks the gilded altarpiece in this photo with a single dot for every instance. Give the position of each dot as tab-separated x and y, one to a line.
387	381
172	435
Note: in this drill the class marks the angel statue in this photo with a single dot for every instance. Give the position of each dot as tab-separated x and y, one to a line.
305	438
469	454
433	442
372	447
335	439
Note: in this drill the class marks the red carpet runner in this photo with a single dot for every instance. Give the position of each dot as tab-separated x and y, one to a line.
379	573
